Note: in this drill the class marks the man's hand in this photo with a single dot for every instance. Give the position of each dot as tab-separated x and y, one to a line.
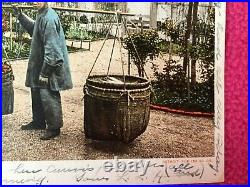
16	10
43	80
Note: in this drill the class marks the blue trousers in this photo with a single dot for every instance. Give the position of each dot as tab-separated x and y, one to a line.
46	107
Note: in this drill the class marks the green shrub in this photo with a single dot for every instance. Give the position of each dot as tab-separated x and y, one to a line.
143	47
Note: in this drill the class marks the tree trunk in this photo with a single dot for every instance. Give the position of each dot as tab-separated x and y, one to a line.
187	36
142	70
139	70
194	36
170	44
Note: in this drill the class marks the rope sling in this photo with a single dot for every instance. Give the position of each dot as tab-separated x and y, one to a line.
116	107
117	35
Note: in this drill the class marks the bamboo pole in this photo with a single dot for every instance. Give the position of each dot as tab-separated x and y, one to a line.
72	10
186	4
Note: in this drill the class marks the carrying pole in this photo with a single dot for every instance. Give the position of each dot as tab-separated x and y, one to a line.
72	10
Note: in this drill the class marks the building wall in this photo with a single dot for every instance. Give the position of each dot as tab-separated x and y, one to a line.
139	8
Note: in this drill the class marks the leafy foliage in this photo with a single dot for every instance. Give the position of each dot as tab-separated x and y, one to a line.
143	47
170	89
18	50
66	19
77	32
170	86
173	30
205	48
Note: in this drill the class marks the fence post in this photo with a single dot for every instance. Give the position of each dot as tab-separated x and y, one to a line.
141	23
129	63
153	15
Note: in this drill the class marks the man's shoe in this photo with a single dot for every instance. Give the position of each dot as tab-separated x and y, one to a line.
34	126
49	134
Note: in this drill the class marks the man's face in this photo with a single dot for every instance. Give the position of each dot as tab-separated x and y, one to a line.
38	5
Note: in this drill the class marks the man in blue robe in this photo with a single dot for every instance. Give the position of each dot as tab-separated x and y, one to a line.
48	69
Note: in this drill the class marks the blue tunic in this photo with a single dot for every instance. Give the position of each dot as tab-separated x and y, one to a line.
48	54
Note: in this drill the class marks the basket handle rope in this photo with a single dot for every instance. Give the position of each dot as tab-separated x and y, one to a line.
105	39
120	47
112	51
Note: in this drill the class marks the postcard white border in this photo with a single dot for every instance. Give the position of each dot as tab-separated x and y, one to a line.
164	171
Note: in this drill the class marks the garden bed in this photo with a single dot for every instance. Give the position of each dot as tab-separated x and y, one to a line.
19	52
174	96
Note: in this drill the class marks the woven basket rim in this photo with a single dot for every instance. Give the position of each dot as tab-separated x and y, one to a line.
143	82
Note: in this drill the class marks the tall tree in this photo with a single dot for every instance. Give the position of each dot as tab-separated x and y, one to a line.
186	45
194	38
187	36
171	22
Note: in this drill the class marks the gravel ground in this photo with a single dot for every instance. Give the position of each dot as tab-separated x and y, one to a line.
168	135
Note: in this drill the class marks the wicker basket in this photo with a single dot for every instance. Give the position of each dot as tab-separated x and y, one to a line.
114	110
7	97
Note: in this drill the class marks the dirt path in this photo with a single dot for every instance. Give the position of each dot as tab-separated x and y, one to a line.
167	135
